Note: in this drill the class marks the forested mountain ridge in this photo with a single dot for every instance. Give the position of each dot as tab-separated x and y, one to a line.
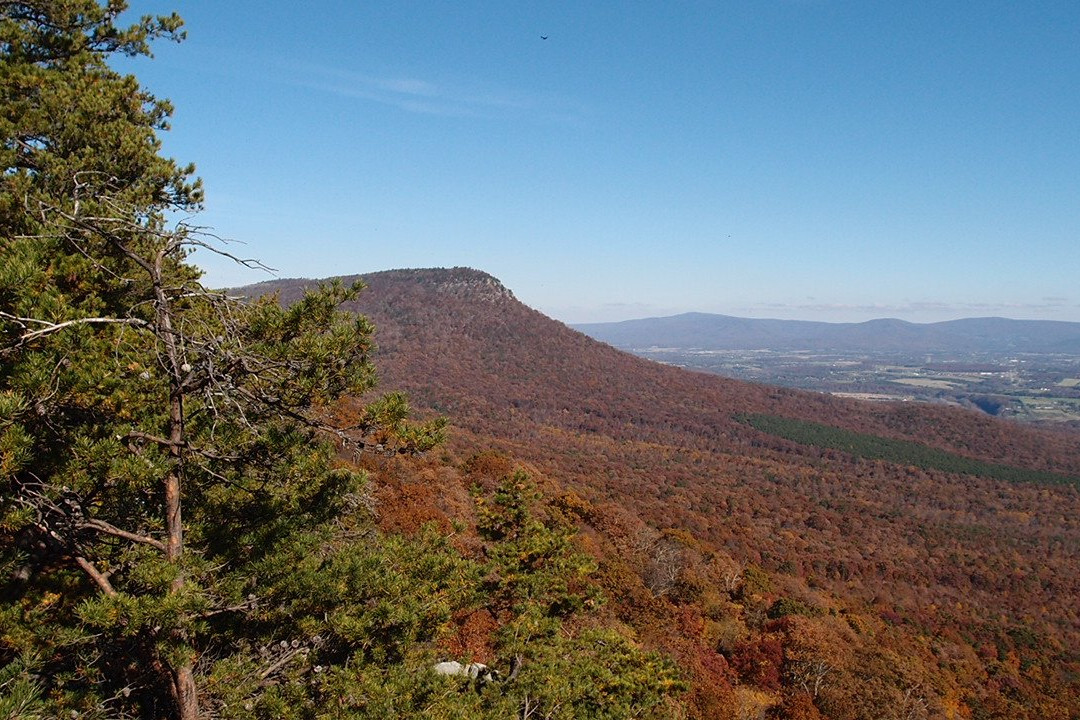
932	565
528	364
992	335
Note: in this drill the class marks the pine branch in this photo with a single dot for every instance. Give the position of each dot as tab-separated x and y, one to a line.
104	527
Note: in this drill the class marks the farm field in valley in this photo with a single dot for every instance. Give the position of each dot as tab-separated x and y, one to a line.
1030	388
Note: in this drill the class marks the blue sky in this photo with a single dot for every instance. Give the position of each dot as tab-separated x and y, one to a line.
811	159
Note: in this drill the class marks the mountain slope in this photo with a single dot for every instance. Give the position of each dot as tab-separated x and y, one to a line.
723	332
458	341
923	550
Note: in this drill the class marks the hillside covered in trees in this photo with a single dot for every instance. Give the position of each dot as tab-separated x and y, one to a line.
210	509
931	552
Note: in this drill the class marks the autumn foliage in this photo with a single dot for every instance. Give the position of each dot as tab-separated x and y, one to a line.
788	579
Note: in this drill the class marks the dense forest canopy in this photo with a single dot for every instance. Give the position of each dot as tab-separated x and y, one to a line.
940	534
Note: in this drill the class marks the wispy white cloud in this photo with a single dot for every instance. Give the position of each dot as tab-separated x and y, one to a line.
423	96
406	86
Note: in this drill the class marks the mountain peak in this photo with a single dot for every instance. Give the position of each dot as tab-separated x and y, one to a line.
456	281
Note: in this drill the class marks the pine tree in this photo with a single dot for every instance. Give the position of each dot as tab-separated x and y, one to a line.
535	577
537	582
162	445
178	537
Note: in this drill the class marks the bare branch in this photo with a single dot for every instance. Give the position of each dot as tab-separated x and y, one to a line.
97	576
102	526
55	327
250	263
285	659
137	435
250	603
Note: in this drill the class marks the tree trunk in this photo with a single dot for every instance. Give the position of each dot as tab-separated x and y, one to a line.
184	692
174	526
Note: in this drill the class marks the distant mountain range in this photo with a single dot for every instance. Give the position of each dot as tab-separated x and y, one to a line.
704	331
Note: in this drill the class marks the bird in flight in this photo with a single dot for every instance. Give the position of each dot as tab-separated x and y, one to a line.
543	37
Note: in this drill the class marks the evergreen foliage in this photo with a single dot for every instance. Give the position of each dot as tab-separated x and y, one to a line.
534	575
903	452
555	661
177	537
162	445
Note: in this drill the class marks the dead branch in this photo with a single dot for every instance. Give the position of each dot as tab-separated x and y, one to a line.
97	576
55	327
250	603
104	527
137	435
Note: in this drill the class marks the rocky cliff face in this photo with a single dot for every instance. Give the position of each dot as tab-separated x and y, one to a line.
459	282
